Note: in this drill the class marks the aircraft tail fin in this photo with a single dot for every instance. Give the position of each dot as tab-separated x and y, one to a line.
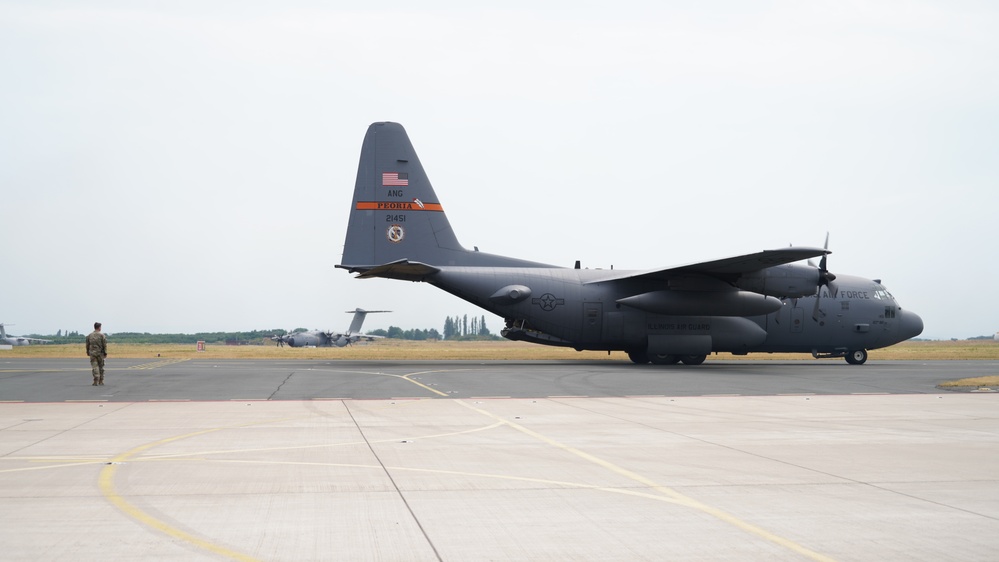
396	217
358	321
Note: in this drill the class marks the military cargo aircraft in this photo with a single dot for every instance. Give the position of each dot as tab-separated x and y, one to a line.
759	302
18	340
331	339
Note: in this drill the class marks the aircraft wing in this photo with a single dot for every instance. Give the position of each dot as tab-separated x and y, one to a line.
401	269
353	336
722	268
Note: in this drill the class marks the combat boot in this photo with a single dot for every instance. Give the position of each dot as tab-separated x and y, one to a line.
100	381
95	382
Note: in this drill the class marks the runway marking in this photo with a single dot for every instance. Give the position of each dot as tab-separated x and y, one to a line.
672	495
317	446
157	364
109	471
106	485
423	386
64	464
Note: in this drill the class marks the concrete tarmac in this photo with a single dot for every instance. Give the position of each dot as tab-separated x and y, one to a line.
333	460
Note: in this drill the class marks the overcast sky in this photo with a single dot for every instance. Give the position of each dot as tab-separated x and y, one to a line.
188	166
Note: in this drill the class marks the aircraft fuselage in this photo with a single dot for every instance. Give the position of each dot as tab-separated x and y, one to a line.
571	307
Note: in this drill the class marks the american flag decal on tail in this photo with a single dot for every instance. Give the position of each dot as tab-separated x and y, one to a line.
396	179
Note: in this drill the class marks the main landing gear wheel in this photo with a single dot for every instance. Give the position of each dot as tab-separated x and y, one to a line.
664	359
638	357
856	357
693	359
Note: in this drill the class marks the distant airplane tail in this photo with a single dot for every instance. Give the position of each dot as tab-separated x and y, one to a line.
358	321
397	227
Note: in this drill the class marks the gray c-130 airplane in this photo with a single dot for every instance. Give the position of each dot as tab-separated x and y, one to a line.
759	302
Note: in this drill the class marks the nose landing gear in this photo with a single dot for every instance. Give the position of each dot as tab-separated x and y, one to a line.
856	357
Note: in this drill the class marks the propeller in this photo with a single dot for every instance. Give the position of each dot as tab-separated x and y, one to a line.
336	339
825	278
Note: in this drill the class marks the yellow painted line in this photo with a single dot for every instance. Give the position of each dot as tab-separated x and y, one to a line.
107	487
157	364
64	464
407	379
106	483
421	385
676	496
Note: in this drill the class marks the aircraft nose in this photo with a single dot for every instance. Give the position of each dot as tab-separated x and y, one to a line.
910	325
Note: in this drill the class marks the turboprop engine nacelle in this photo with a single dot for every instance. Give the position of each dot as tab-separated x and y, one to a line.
341	341
790	280
684	303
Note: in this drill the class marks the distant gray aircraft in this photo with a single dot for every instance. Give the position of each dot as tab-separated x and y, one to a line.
17	340
760	302
330	339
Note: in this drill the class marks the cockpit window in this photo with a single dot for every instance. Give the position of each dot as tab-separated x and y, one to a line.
882	294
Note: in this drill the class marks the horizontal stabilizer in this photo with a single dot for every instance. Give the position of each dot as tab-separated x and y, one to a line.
402	269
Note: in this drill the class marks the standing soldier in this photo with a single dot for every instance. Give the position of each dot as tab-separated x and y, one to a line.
97	349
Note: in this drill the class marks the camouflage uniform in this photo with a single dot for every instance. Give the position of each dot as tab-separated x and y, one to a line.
97	349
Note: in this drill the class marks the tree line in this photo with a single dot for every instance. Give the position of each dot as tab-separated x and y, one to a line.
456	328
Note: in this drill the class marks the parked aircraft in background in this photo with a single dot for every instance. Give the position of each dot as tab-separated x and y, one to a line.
760	302
330	339
17	340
